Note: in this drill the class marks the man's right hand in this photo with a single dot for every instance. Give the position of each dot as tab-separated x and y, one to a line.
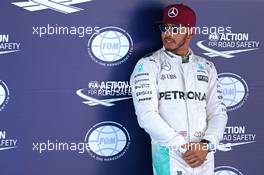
196	154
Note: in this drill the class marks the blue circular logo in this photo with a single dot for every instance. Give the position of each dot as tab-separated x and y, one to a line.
227	170
107	141
234	89
4	95
110	47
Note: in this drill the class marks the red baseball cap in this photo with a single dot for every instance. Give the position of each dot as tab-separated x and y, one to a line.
179	14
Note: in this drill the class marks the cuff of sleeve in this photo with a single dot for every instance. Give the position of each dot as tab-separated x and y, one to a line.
212	139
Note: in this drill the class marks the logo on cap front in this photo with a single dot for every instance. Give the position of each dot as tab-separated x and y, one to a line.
173	12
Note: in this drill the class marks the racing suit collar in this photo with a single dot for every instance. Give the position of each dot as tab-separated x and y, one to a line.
177	57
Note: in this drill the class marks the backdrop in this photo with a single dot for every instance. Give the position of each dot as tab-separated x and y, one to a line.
65	100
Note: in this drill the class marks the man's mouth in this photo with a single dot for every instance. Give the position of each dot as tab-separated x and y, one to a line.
169	41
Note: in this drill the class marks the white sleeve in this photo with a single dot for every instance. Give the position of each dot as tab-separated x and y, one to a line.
215	109
145	98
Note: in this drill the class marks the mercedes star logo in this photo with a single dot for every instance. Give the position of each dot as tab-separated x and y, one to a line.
173	12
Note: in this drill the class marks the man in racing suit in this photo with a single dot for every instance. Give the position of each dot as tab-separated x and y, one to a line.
178	100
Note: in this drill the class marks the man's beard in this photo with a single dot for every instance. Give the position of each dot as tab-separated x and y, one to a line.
178	46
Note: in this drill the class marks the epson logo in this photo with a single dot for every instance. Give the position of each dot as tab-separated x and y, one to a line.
143	93
173	95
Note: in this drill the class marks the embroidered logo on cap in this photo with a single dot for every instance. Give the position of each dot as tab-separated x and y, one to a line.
173	12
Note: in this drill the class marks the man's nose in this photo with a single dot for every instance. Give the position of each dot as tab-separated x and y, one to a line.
169	32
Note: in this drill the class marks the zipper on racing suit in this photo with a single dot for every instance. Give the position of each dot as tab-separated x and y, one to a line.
185	101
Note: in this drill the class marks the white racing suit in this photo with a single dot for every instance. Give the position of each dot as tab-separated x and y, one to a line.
177	103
